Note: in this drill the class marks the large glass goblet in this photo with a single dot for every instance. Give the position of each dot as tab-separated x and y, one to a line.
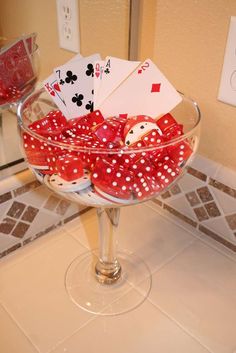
100	281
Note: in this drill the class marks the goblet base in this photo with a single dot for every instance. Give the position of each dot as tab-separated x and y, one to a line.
124	295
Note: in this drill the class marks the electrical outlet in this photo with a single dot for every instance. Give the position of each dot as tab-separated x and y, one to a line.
68	24
227	90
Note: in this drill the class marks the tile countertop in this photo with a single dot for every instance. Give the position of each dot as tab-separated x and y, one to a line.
191	307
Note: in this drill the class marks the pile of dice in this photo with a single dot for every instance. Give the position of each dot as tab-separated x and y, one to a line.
117	160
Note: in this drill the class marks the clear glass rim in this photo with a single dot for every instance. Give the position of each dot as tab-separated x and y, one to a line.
118	150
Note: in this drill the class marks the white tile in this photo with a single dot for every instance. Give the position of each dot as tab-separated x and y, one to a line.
227	203
226	176
142	231
36	197
217	246
220	227
16	181
7	241
205	165
198	290
145	329
42	221
12	339
4	207
172	218
15	257
182	205
189	183
34	294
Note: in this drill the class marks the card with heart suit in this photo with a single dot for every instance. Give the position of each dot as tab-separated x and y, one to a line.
115	72
146	91
16	68
98	72
53	88
75	79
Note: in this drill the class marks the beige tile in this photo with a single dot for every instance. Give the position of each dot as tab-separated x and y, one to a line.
205	165
198	290
190	183
218	246
142	231
34	294
145	329
226	176
180	222
12	339
16	181
182	205
220	226
226	202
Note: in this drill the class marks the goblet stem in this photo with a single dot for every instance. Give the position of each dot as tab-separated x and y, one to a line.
108	269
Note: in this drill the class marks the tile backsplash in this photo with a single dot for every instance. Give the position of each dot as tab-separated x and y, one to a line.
29	210
204	198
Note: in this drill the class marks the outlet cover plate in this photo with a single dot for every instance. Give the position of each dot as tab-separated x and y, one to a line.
227	89
68	25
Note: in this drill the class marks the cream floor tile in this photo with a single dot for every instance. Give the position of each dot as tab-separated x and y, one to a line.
144	329
20	254
172	218
11	337
142	231
218	246
34	294
198	290
194	231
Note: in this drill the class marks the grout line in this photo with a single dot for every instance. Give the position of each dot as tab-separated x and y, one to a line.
57	237
183	328
17	324
60	342
195	233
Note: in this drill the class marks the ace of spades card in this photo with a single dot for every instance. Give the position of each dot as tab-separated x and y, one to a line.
76	79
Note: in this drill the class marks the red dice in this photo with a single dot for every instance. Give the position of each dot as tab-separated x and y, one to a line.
180	152
105	132
69	167
112	179
166	122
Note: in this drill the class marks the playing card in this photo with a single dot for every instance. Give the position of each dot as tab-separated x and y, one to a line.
115	71
15	65
98	72
146	91
76	82
75	58
53	88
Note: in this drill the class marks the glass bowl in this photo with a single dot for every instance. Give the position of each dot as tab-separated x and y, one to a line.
107	173
19	69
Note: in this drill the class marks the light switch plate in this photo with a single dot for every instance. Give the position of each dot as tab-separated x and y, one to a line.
227	89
